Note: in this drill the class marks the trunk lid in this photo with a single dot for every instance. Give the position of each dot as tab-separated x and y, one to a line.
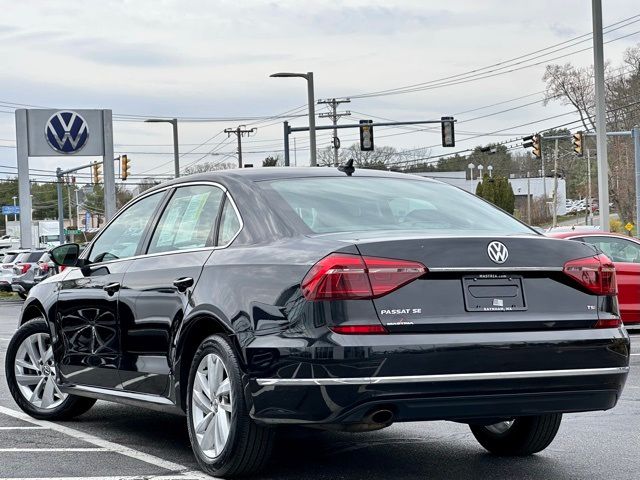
522	288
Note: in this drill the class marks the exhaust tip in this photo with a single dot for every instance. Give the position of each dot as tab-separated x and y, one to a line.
382	416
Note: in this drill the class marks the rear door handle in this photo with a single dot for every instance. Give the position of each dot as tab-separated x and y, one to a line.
111	288
183	283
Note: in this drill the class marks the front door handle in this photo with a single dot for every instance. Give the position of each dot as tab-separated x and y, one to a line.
111	288
183	283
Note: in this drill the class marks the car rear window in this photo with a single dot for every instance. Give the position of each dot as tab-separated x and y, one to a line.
9	257
342	204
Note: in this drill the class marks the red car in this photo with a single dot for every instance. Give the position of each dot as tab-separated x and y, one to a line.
625	253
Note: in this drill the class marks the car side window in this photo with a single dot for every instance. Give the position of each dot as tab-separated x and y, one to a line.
122	237
617	249
188	219
229	224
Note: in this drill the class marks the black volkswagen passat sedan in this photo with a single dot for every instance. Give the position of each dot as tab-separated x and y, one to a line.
257	298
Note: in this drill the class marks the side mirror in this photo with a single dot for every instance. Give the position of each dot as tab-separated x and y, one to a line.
65	255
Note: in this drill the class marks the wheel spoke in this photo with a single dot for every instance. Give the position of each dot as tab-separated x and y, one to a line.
47	395
35	396
208	439
223	428
201	402
202	426
224	389
203	383
25	379
48	354
214	374
26	364
33	355
42	349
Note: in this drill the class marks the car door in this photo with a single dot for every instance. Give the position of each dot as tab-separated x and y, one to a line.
626	257
87	322
157	287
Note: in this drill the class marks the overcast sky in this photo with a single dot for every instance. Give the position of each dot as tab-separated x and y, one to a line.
197	58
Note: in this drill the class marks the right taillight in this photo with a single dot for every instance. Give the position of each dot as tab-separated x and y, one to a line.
340	276
597	274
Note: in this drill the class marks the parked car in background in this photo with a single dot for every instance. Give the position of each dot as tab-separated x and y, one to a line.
30	268
9	259
624	251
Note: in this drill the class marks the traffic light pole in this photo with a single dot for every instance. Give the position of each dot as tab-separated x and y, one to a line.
289	130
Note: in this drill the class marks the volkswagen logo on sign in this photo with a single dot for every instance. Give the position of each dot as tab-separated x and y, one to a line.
66	132
498	253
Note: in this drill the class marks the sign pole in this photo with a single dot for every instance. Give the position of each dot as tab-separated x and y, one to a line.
636	144
108	168
60	206
24	188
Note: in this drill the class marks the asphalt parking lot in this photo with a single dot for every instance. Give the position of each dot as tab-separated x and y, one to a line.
119	442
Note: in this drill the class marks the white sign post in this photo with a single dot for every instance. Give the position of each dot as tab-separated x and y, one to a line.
59	133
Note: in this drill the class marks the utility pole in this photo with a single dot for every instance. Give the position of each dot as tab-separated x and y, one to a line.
589	220
555	185
601	116
528	199
239	132
636	143
334	115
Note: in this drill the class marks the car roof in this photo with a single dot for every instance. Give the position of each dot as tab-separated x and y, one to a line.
261	174
584	233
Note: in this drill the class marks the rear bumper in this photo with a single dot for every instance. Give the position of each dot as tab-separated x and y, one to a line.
439	377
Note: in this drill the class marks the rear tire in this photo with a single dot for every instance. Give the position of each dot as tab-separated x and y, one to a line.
524	436
30	357
225	440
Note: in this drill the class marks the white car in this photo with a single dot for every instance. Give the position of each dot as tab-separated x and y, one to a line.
6	268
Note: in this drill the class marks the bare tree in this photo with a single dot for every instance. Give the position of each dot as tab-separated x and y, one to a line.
208	167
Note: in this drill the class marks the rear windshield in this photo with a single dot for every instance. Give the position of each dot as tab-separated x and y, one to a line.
9	257
343	204
28	257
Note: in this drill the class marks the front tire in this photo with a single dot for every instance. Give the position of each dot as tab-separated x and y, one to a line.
225	440
31	375
519	437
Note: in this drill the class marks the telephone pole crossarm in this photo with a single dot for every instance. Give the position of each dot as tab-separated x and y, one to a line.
239	132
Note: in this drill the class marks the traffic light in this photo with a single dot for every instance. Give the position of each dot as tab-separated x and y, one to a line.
97	173
533	141
448	132
578	138
366	136
124	167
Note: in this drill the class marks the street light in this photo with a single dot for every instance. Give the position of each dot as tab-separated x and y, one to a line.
312	108
490	168
480	168
176	151
471	166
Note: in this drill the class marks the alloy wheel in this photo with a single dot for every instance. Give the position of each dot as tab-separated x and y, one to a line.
36	373
211	405
500	427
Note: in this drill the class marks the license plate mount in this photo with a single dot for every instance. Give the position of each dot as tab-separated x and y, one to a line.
493	293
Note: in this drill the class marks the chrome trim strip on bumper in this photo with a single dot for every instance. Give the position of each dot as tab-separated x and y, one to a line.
495	269
455	377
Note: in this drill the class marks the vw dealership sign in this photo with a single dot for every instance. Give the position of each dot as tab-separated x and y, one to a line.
63	133
66	131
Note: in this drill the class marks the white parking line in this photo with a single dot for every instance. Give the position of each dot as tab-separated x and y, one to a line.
22	428
176	468
87	449
139	477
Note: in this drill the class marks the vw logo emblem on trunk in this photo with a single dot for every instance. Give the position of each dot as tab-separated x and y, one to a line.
498	253
66	132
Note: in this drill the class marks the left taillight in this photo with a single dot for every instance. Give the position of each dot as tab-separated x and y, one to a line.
597	274
23	267
340	276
